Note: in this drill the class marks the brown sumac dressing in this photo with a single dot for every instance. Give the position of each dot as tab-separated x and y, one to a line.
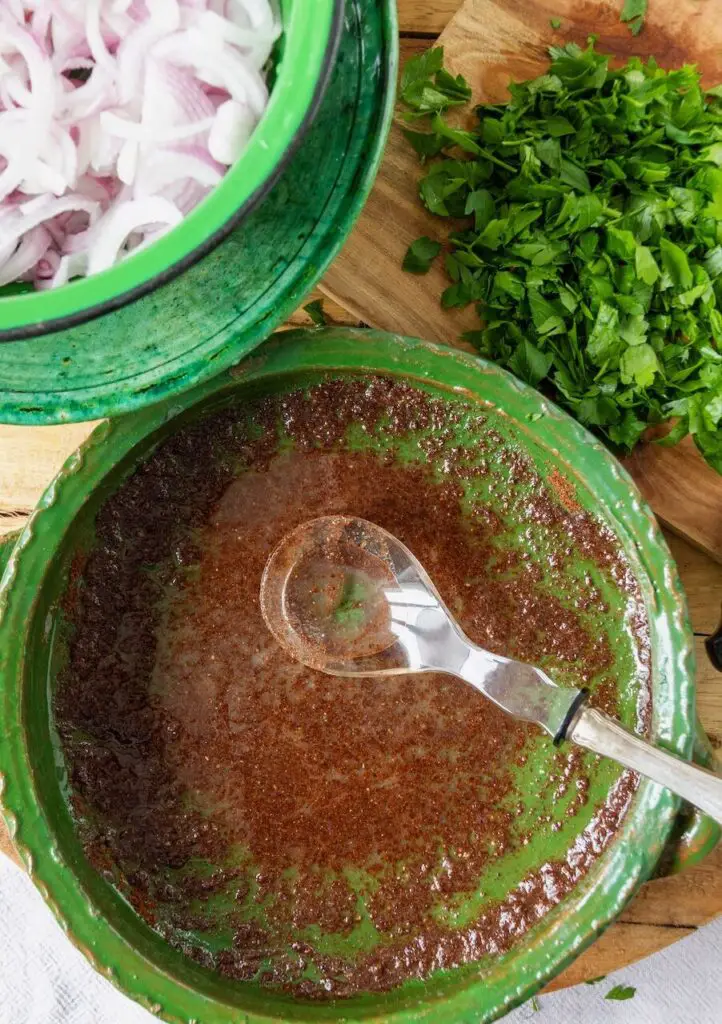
190	735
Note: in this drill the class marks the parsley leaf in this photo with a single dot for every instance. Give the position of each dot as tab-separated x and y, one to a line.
604	338
426	144
639	365
675	262
317	313
529	363
633	12
427	87
621	992
481	204
421	254
645	265
587	232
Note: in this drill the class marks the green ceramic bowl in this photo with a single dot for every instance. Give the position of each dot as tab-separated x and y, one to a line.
305	59
100	922
205	320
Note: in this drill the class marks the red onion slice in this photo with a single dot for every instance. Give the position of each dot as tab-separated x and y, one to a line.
117	117
111	232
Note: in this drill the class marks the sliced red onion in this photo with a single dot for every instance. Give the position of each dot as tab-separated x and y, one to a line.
111	233
117	117
31	250
131	131
75	265
232	128
185	180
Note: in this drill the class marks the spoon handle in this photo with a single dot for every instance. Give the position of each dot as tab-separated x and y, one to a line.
602	735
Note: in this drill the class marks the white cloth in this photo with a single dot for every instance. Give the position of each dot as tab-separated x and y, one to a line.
45	980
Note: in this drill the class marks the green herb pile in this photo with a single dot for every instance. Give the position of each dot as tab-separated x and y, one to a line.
588	232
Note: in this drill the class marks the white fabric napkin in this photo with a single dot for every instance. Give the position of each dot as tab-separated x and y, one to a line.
45	980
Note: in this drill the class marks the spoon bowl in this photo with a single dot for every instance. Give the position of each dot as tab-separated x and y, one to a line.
325	596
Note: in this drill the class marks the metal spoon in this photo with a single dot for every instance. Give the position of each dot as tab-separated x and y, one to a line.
344	596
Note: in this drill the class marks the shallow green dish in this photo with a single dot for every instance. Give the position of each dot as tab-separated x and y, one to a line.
203	321
303	64
120	945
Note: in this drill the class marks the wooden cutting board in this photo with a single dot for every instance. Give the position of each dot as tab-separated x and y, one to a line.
492	42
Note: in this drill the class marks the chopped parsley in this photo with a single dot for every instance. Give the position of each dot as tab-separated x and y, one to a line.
587	231
621	992
421	255
633	12
317	313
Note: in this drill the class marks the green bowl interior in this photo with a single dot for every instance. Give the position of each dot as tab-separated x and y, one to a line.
100	921
300	66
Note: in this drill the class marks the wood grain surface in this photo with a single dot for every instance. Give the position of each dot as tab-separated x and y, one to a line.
493	42
667	909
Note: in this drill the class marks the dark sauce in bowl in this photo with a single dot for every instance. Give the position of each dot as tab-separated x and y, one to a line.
327	835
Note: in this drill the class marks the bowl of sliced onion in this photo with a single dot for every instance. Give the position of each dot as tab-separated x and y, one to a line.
136	134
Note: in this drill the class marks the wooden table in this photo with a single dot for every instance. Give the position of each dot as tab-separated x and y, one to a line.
665	910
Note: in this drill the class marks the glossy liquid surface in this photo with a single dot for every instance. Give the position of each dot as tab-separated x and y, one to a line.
336	835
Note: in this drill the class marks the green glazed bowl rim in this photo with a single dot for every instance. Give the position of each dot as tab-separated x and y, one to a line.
599	897
312	35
